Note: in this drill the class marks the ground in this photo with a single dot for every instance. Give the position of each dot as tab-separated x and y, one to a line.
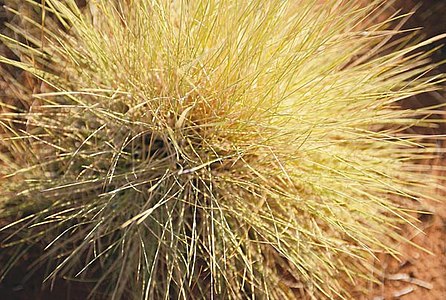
421	274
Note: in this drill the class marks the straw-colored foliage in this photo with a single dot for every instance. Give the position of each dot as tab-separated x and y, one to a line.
210	149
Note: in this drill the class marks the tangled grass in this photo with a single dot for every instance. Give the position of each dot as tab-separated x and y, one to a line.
211	149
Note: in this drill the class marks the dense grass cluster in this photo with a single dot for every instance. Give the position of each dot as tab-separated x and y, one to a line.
210	149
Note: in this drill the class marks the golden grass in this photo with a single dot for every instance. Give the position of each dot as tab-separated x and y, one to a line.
209	149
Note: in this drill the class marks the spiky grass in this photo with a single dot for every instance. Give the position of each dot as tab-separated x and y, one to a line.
212	149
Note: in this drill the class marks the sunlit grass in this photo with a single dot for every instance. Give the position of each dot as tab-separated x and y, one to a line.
213	149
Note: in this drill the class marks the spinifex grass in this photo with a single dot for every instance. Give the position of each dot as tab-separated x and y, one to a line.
199	149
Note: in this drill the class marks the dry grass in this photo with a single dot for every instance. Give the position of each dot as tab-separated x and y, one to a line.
212	149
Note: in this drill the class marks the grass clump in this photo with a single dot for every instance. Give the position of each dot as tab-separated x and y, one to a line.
211	149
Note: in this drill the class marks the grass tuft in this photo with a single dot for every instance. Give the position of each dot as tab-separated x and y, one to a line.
211	149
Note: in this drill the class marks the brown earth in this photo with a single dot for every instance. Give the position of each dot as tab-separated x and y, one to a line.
419	274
